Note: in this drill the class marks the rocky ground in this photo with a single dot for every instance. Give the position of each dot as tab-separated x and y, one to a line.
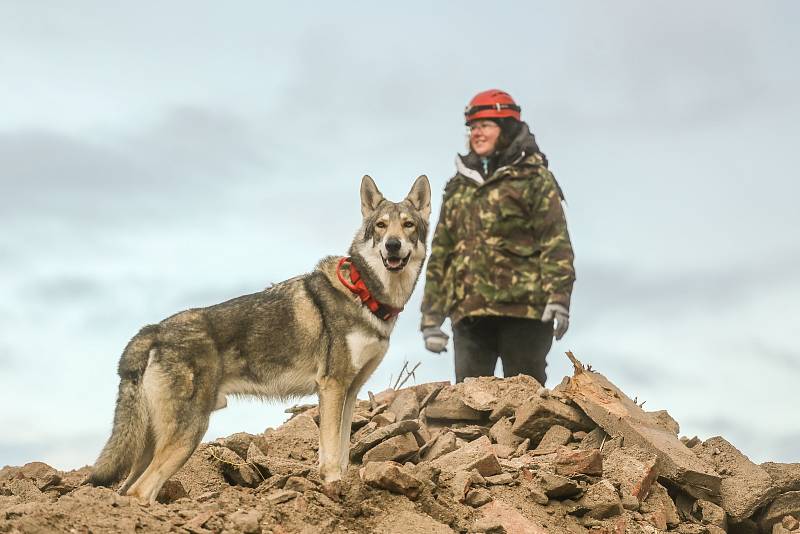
489	455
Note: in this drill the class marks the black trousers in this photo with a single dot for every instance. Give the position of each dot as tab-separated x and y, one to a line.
521	344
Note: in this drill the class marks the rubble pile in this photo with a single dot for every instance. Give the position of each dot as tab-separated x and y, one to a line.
489	455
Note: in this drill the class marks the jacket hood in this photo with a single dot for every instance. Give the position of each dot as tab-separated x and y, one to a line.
523	144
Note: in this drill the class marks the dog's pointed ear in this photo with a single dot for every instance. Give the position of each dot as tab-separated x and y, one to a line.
420	196
370	196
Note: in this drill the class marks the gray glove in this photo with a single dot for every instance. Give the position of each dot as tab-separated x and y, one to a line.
560	313
435	339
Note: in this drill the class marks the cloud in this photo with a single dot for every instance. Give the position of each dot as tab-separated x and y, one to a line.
188	160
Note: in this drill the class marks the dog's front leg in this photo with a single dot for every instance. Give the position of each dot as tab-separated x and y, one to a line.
332	395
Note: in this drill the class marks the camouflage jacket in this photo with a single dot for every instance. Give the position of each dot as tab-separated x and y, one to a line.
501	245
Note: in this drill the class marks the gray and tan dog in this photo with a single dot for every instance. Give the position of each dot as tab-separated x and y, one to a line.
323	332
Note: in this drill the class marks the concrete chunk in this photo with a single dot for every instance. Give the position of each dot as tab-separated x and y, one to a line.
746	486
535	417
391	476
786	477
509	518
633	469
405	405
379	435
785	504
449	406
555	437
396	448
477	455
620	416
502	435
600	501
441	445
556	486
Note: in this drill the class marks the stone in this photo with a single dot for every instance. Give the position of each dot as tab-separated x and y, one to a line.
634	469
663	419
486	393
462	482
523	447
502	435
556	486
535	417
381	434
239	443
659	499
171	491
569	462
785	504
790	523
405	405
247	521
26	489
450	407
42	475
470	432
691	442
396	448
503	451
785	477
477	455
297	439
746	487
441	445
384	419
710	514
778	528
501	479
391	476
555	437
619	416
299	484
477	497
538	496
236	470
594	439
600	501
629	502
282	496
488	526
502	409
509	519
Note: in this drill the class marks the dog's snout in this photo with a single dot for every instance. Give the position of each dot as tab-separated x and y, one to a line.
393	245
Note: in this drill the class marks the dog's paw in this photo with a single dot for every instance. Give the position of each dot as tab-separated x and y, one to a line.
334	490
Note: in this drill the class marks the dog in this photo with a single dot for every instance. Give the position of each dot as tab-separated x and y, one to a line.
324	332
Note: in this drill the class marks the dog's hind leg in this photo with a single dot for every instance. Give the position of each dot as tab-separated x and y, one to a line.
140	464
179	409
332	396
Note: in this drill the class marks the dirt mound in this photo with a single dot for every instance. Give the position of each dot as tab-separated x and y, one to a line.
489	455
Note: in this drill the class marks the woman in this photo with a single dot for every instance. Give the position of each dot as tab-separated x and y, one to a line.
501	263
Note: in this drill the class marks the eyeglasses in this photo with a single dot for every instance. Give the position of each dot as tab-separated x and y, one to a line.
482	126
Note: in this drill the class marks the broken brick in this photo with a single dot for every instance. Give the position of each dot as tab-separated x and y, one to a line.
570	462
391	476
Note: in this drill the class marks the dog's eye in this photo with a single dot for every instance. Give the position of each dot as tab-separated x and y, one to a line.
408	224
380	224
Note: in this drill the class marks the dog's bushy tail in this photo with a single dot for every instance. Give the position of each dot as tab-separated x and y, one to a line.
131	421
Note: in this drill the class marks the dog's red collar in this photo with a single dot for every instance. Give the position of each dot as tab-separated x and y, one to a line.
356	285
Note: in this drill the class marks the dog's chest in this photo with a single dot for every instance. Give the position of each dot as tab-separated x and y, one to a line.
365	347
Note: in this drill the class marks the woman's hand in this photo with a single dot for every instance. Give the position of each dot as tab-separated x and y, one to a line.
560	314
435	339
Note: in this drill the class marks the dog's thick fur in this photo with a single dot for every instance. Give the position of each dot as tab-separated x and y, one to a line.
307	334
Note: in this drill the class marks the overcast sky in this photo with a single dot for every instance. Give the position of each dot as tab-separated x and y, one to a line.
163	156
